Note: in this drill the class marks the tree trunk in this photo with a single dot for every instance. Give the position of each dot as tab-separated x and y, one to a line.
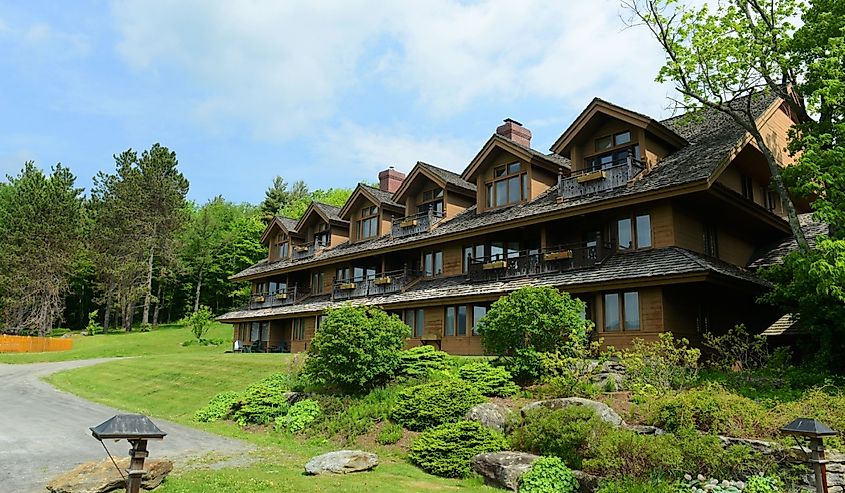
127	318
107	316
788	206
197	295
158	305
145	319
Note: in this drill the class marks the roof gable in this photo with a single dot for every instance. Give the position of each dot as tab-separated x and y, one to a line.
442	177
497	143
281	223
370	194
326	212
599	108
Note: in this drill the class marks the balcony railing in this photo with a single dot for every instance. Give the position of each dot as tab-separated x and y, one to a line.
383	283
421	222
592	181
307	250
536	262
282	297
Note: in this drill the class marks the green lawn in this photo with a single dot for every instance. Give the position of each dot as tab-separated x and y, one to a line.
176	380
166	339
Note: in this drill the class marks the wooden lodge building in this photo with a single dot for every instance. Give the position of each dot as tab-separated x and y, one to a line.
656	225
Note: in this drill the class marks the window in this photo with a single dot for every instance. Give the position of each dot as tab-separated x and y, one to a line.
500	250
432	200
415	319
455	321
283	249
634	232
343	274
711	240
298	325
320	320
472	252
318	278
432	263
611	141
368	224
772	200
622	311
509	185
747	185
478	312
323	238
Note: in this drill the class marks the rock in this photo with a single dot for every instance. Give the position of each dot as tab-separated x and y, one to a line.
294	397
101	476
763	447
602	410
490	415
646	429
342	462
502	469
587	483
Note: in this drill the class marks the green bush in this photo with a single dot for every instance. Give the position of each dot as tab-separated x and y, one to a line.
219	407
565	433
419	361
261	403
447	449
434	403
529	321
199	322
633	485
390	434
548	475
619	453
655	367
763	484
736	348
205	342
348	417
356	348
300	415
490	380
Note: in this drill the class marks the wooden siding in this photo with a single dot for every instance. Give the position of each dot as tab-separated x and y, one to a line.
457	203
662	224
733	249
300	346
775	131
651	318
541	180
689	230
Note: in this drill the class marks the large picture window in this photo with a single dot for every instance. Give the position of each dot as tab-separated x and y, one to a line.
318	278
432	263
368	223
478	312
298	329
415	319
634	232
508	186
622	311
455	321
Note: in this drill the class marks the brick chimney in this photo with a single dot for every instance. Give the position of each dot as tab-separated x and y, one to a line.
514	131
390	180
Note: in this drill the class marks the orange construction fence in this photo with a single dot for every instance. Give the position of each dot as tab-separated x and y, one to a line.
24	344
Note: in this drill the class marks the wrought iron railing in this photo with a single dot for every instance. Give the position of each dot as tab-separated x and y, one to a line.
596	180
536	262
421	222
282	297
374	285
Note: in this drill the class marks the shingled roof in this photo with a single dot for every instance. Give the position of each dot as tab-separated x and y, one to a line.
385	198
711	134
331	211
288	222
448	177
646	264
774	253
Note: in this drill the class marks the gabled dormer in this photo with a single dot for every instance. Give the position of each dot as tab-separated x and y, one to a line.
320	227
279	236
507	171
370	212
430	194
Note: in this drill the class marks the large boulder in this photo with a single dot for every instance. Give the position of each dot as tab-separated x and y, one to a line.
102	477
490	415
342	462
587	483
503	469
601	409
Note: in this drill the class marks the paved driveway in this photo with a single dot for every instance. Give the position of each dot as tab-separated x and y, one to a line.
44	432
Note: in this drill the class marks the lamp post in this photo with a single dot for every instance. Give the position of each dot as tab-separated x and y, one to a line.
137	429
815	431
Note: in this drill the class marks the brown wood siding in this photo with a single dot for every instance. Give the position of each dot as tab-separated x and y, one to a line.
541	180
733	249
651	318
662	225
301	346
339	235
452	261
775	131
689	231
457	203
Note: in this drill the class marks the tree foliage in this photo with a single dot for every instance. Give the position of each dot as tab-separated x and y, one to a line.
356	348
278	196
296	207
41	225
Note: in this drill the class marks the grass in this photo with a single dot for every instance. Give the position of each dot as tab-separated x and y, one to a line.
177	380
166	339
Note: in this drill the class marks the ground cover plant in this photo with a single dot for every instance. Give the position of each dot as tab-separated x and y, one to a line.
548	474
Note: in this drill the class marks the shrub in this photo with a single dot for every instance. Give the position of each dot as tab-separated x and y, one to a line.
547	475
531	320
447	449
490	380
356	348
434	403
736	348
419	361
654	367
621	453
763	484
633	485
93	326
300	415
570	373
390	434
147	327
205	342
349	417
565	433
260	404
219	407
199	322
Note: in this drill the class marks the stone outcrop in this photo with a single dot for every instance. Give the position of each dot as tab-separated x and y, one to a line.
490	415
646	429
601	409
503	469
342	462
294	397
102	476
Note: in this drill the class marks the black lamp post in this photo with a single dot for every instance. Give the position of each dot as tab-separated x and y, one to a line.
137	429
815	431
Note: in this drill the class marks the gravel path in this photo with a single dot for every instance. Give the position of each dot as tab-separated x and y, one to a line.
44	431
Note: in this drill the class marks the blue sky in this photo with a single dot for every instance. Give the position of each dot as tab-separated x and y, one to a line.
326	92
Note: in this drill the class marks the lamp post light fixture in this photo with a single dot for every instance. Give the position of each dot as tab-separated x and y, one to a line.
815	431
137	429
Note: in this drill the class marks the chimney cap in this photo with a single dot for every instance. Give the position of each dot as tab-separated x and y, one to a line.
511	120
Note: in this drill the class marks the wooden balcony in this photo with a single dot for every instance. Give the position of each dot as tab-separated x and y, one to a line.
282	297
307	250
592	181
528	263
418	223
383	283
